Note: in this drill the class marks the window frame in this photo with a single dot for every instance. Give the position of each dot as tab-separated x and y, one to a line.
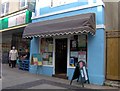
40	47
20	4
6	8
78	50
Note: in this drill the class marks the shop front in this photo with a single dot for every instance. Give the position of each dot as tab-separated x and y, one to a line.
61	43
63	52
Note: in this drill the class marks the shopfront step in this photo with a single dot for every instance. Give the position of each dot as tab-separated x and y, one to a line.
63	76
112	83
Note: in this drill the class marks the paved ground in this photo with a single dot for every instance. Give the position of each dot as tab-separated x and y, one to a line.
0	84
18	79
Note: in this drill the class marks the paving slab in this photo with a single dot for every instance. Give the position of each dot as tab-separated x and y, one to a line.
19	79
0	84
47	86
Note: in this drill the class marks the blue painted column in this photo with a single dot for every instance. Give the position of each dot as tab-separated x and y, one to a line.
96	57
34	48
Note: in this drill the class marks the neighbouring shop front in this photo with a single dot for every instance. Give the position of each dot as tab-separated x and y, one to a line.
12	30
14	38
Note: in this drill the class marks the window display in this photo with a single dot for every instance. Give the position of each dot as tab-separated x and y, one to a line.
82	56
47	51
78	49
81	41
36	59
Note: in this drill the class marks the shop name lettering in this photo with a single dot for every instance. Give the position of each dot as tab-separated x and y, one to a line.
16	20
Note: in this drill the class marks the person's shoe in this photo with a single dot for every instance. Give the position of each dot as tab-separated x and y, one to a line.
9	65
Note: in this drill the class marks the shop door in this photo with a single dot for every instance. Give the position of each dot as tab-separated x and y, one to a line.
61	56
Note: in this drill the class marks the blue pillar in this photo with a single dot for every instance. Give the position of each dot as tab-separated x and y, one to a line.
96	57
34	48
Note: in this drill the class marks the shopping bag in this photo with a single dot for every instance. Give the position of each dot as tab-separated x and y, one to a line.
17	61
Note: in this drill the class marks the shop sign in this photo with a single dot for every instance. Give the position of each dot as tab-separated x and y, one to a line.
17	20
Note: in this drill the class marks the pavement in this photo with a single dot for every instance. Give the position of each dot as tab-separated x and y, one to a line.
113	83
0	84
13	78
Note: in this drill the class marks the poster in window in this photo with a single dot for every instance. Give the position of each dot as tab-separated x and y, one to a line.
47	50
73	45
72	62
36	59
82	56
74	54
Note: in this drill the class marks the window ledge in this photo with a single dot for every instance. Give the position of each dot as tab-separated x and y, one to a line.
43	65
24	7
71	67
48	65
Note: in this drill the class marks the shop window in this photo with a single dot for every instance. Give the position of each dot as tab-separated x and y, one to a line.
5	8
23	4
78	49
46	49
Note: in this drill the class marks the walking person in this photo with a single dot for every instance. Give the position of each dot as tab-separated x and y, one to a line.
13	55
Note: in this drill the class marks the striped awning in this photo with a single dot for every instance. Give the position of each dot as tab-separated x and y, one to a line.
83	23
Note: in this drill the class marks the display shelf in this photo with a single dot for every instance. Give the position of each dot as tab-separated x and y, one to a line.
24	65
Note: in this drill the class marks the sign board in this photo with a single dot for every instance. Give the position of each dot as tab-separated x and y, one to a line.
17	20
12	21
36	59
80	72
20	19
31	5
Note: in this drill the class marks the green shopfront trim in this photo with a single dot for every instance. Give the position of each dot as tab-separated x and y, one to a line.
4	23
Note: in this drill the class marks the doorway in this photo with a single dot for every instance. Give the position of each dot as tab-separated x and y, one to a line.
61	58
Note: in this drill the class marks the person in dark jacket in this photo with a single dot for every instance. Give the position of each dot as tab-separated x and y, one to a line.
26	55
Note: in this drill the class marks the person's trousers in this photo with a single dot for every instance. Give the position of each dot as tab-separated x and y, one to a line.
9	63
13	63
